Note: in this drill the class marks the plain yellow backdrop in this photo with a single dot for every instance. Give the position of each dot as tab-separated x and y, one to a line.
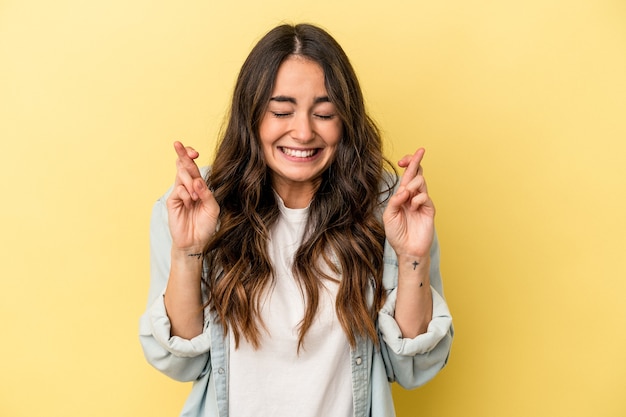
520	105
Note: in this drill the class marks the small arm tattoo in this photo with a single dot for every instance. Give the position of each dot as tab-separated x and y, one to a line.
196	255
415	264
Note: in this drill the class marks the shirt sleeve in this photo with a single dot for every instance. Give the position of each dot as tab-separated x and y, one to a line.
181	359
413	362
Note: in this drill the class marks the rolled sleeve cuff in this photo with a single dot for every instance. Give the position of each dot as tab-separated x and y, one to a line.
438	327
161	330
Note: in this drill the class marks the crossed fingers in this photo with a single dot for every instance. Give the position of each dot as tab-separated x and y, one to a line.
187	173
413	179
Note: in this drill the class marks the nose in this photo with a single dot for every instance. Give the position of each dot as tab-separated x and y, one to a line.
301	128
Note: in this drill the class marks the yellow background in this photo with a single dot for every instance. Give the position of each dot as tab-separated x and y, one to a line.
520	104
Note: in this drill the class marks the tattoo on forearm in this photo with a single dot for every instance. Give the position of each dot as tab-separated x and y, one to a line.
196	255
415	264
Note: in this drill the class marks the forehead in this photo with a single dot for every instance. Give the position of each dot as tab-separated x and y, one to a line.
299	75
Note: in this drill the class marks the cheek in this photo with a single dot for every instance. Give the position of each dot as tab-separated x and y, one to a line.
334	133
338	133
263	127
266	132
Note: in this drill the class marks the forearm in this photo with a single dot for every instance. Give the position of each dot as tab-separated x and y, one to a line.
414	303
183	296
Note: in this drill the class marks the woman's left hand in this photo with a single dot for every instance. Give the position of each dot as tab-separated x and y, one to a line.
409	216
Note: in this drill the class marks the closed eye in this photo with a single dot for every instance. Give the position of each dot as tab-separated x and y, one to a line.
280	114
324	116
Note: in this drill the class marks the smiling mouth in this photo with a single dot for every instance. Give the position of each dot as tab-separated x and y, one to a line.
299	153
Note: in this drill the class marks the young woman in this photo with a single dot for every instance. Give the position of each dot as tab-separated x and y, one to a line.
297	276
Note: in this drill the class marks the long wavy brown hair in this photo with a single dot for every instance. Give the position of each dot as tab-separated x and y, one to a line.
344	231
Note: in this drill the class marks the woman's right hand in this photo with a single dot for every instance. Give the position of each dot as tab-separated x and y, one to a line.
192	209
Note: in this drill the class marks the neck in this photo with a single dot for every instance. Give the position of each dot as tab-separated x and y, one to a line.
295	196
295	200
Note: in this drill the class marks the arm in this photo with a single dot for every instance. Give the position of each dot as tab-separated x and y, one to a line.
414	304
192	214
415	322
180	359
165	335
414	361
409	227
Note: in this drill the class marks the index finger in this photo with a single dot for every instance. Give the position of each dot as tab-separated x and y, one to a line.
413	166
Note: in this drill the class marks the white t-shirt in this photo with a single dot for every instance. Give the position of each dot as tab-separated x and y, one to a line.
276	380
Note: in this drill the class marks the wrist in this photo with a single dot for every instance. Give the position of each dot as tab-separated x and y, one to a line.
413	261
414	269
187	255
194	248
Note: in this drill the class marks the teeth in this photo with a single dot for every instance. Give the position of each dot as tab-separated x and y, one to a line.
298	153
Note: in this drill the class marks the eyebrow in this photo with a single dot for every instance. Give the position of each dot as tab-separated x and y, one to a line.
287	99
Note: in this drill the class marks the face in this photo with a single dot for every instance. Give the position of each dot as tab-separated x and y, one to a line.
300	130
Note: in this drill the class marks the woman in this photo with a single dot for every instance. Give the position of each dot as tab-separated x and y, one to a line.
291	279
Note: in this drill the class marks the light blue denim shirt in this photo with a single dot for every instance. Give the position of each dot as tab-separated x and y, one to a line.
204	359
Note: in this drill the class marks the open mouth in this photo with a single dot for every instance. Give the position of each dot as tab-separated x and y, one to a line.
299	153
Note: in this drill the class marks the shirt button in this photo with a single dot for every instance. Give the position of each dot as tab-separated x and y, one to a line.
359	360
220	371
